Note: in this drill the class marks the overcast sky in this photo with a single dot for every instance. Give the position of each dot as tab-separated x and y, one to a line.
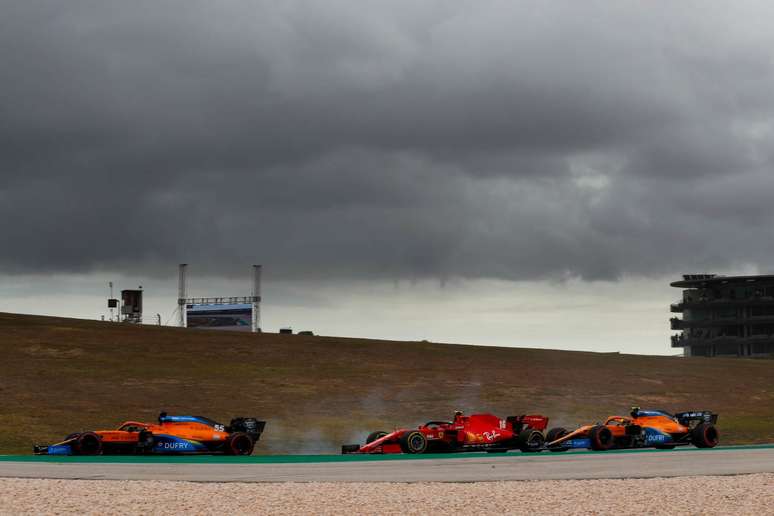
457	151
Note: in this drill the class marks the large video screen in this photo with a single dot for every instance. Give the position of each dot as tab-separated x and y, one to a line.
236	317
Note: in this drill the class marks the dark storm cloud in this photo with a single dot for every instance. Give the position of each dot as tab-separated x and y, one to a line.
368	139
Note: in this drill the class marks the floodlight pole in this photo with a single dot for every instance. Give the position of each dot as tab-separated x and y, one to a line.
256	326
181	293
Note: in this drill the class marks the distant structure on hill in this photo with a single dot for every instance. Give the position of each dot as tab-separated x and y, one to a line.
129	306
729	316
234	313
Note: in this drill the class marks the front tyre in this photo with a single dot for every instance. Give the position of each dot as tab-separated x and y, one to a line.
601	438
88	443
705	435
413	442
553	435
239	443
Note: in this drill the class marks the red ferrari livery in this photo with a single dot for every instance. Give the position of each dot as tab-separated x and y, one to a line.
477	432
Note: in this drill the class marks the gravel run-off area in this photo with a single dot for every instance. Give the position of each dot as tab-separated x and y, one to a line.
741	494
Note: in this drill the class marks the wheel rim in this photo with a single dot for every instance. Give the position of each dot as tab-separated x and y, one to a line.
416	442
241	445
604	437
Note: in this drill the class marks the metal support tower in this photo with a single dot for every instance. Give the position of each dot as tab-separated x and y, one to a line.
111	297
181	293
256	299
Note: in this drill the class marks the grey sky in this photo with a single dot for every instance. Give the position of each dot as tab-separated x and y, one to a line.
385	141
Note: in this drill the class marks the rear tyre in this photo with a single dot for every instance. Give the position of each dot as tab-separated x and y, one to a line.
239	443
413	442
88	443
531	441
705	435
553	435
374	436
601	438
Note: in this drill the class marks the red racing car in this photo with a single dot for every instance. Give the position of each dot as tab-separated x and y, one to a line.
477	432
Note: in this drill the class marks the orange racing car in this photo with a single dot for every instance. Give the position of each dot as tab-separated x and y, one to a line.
642	429
171	435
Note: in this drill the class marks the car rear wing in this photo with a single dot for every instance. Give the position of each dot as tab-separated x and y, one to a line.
703	416
534	421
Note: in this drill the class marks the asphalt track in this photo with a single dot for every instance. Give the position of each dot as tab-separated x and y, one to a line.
730	460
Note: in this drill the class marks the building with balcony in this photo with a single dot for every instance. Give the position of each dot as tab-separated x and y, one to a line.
730	316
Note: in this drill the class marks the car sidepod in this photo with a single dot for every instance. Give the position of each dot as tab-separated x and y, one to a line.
171	444
654	437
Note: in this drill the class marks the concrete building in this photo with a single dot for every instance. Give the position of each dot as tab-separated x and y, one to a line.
730	316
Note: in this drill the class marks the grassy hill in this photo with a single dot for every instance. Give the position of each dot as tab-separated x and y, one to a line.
62	375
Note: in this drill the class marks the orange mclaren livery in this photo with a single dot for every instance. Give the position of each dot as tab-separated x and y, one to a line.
641	429
170	435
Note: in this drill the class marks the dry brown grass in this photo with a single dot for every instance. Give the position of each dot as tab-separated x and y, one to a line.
61	375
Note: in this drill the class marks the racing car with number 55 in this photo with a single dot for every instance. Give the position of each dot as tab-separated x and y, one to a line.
171	435
643	429
477	432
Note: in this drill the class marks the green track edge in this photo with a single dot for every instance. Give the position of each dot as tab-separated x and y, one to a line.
292	459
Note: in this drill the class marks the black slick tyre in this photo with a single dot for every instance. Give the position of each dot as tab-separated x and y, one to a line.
413	442
601	438
705	435
88	443
530	441
553	435
375	435
239	443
